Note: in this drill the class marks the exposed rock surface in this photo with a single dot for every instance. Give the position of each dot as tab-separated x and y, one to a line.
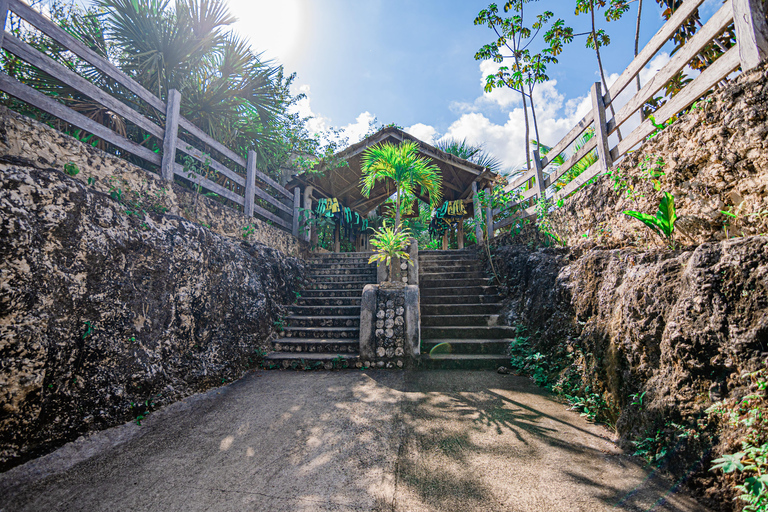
680	326
100	309
28	143
714	159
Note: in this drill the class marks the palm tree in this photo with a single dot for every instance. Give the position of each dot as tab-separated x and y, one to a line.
474	153
403	165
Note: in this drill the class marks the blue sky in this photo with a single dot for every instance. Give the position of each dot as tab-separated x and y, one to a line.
411	62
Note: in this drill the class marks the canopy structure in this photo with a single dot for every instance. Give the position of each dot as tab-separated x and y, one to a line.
459	177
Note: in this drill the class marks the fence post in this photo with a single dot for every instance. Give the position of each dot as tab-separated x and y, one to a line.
539	174
250	182
489	214
308	207
3	16
171	134
751	32
296	205
601	132
478	214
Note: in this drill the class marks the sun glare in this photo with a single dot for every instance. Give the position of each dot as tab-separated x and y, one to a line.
273	27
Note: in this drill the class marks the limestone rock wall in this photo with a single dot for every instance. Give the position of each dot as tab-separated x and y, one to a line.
105	313
714	159
28	143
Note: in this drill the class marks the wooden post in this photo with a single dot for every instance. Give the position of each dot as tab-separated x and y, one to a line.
308	207
3	16
539	176
460	235
171	134
478	214
250	182
749	20
445	240
296	205
489	207
337	237
601	132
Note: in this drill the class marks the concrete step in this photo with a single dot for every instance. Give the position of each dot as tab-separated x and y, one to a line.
467	332
316	361
323	302
460	308
332	286
322	321
457	290
321	332
331	293
448	252
462	362
343	278
331	310
458	299
459	320
314	345
436	266
434	282
327	255
335	270
450	273
474	346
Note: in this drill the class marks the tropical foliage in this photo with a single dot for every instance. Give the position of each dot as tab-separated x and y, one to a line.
405	167
390	243
663	223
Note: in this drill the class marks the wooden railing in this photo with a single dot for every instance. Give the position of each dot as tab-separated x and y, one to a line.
748	18
165	127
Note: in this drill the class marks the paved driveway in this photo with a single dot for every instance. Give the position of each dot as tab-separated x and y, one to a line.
375	440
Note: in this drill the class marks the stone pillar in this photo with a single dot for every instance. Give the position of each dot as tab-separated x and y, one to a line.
389	326
413	267
367	321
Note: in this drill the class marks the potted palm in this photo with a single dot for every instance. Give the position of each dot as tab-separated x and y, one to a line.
391	246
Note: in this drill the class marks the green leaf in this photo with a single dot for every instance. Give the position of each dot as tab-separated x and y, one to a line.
729	463
649	220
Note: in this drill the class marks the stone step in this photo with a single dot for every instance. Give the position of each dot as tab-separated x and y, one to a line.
331	310
322	321
431	266
496	332
326	255
451	274
448	252
332	286
459	299
335	270
315	361
336	333
314	345
474	346
456	290
343	278
462	362
323	302
459	320
460	308
434	282
331	293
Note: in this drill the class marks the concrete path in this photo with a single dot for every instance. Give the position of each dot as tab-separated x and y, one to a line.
396	441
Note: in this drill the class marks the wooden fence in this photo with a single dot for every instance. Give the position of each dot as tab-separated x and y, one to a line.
749	20
166	127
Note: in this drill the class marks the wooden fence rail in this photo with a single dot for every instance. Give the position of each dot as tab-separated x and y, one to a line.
749	20
167	126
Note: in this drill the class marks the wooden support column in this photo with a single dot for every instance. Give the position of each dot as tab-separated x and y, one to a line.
308	207
171	134
3	16
460	235
749	20
489	209
337	237
250	183
601	132
539	176
478	214
445	240
296	205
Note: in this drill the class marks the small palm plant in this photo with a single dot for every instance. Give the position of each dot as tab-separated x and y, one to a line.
390	244
402	164
663	224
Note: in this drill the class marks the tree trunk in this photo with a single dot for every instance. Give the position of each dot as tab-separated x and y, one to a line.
600	62
397	211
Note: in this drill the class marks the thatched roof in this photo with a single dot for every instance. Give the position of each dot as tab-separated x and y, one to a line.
343	182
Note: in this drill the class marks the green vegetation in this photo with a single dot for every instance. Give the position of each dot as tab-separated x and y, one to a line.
71	169
402	164
663	224
390	244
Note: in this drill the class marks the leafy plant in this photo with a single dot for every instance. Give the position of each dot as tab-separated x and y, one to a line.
71	169
589	405
390	244
663	224
88	330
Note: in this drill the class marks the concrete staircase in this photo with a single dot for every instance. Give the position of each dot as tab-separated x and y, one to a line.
459	313
323	328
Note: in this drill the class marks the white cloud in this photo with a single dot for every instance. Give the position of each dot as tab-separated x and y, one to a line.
318	124
423	132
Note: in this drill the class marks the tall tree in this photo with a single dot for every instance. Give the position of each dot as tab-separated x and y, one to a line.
402	164
528	69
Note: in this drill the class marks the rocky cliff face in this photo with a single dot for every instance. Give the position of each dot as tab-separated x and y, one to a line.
714	159
680	327
105	312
